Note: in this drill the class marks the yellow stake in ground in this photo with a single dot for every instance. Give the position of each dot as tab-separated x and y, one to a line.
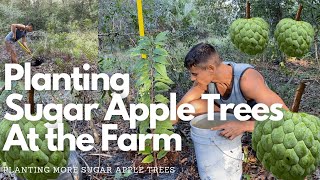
141	24
24	48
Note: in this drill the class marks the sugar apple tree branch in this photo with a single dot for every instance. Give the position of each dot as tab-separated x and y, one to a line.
31	99
248	10
299	13
298	96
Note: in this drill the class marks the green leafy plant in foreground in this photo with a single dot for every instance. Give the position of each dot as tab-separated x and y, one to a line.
152	82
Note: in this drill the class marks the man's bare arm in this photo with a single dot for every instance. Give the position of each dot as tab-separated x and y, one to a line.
14	29
193	94
253	87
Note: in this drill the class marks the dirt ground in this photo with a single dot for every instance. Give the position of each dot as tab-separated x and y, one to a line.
183	164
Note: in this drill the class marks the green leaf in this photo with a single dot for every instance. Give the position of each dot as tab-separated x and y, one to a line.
127	173
135	52
247	176
148	142
159	44
164	124
163	79
161	38
147	85
162	131
144	126
161	59
144	42
140	64
118	175
160	86
143	79
161	99
145	68
161	154
146	151
148	159
188	8
161	69
160	51
161	143
145	99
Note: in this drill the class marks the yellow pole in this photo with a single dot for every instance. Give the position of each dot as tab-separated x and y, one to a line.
141	24
24	48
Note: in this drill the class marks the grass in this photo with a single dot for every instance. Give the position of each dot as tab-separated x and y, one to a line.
77	45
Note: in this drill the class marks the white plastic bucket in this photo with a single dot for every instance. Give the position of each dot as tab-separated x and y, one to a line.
217	156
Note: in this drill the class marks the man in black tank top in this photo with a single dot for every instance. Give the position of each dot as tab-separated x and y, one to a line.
18	31
211	74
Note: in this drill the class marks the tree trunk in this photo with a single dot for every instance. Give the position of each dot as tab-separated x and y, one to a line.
298	96
316	48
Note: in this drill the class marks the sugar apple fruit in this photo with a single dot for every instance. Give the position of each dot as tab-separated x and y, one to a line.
294	37
250	35
15	158
289	148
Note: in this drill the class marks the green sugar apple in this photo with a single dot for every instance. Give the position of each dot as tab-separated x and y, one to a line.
289	148
294	37
15	158
250	35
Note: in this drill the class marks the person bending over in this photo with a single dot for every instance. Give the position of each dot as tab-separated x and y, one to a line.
235	82
18	31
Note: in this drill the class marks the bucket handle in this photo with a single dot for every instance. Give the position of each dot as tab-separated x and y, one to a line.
212	140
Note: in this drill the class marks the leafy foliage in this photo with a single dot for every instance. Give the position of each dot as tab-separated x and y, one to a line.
152	82
9	14
76	45
53	16
190	22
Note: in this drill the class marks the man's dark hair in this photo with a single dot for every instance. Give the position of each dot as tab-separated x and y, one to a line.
30	24
199	54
